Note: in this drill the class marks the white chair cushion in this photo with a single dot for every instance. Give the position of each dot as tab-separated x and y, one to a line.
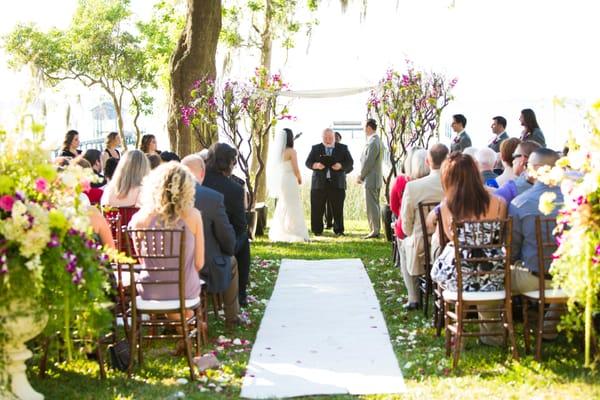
163	305
474	296
548	293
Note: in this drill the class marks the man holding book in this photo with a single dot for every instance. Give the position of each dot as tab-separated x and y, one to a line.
330	162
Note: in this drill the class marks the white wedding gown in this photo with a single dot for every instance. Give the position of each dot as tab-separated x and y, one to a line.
288	223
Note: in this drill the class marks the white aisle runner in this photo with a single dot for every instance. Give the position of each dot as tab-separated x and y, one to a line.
322	333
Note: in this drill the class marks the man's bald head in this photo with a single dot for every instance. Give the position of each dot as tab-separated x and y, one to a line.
328	137
195	164
437	154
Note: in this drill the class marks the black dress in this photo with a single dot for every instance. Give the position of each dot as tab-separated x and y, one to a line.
67	153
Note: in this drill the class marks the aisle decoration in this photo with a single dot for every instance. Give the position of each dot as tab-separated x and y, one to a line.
244	112
407	106
52	268
576	265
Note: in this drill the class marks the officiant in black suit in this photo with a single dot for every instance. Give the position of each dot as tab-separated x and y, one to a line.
330	162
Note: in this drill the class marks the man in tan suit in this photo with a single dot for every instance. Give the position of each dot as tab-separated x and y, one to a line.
426	189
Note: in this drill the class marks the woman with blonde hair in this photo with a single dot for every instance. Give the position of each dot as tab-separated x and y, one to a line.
112	141
124	188
168	202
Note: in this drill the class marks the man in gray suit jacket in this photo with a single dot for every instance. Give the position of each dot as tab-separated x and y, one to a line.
462	140
220	270
499	130
371	175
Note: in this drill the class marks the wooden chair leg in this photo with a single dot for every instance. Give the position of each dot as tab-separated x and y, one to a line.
199	330
511	328
427	296
526	331
458	337
140	332
132	346
448	331
539	331
440	313
188	346
100	359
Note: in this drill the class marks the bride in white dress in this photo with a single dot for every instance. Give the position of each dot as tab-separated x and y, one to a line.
283	183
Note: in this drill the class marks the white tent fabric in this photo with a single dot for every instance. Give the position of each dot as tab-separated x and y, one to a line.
322	333
325	93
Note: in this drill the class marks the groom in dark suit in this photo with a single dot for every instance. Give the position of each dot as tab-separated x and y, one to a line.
330	162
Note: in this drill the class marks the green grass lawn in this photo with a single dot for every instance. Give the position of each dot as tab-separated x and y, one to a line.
484	372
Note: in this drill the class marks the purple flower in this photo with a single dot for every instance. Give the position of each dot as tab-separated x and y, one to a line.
20	195
598	250
31	220
187	113
71	261
3	265
73	232
78	276
54	242
405	80
581	200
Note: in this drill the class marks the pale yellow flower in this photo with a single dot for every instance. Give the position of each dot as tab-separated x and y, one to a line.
547	203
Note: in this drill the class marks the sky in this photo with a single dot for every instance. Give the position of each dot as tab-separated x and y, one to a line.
507	55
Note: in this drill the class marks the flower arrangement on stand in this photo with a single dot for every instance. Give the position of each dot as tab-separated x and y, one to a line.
239	109
407	107
52	268
576	264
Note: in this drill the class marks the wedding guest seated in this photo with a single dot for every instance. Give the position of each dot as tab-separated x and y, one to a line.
423	189
219	168
154	160
515	187
220	270
507	149
112	141
124	189
93	156
415	167
524	209
92	194
465	198
100	227
109	168
70	145
168	202
148	145
470	151
486	158
167	156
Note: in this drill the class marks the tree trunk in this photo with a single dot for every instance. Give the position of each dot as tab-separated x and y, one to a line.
119	112
265	61
194	58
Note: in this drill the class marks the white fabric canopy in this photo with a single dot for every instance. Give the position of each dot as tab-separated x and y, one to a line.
325	93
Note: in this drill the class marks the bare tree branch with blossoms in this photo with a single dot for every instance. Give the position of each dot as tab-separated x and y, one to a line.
407	107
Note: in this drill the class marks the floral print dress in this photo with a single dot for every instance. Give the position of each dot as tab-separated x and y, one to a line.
473	234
